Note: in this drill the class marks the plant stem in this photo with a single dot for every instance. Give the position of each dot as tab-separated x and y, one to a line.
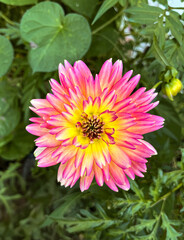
157	84
107	23
6	19
170	8
111	42
164	197
158	220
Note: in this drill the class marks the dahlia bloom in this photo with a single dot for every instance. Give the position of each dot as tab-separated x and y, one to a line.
95	127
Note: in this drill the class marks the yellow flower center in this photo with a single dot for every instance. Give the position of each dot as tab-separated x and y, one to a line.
92	127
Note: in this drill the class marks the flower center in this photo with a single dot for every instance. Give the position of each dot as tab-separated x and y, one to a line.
92	127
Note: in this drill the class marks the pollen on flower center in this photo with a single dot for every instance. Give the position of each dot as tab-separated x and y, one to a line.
92	127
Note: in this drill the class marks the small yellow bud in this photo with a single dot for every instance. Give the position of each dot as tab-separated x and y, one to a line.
176	86
168	91
172	88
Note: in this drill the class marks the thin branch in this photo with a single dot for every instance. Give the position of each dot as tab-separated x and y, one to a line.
107	23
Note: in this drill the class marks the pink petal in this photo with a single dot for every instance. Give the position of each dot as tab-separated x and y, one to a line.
98	175
85	182
105	73
35	129
110	183
47	140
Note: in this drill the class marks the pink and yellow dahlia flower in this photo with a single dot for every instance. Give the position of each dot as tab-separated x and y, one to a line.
95	127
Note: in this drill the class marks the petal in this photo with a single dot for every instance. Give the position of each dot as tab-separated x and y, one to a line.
40	103
40	153
130	173
47	140
66	133
47	162
129	87
81	141
85	182
105	73
67	154
111	184
97	150
82	67
125	186
56	87
98	175
55	102
117	173
79	157
35	129
116	72
108	116
69	169
87	163
119	157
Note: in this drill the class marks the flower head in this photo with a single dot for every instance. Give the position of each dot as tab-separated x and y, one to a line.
95	127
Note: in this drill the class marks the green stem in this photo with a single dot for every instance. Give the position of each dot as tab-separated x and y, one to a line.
111	42
170	8
107	23
164	197
157	84
6	19
158	219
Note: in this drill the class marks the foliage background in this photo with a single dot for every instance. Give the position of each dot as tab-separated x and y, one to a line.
34	37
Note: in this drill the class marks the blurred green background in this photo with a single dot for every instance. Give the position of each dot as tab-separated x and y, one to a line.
35	36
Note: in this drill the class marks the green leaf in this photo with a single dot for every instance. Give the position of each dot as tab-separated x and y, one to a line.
32	88
145	9
88	222
8	95
11	31
82	6
56	37
171	233
106	5
9	113
8	121
6	55
68	201
19	2
156	189
160	32
167	139
174	53
103	42
20	145
159	53
147	224
5	140
176	27
144	14
137	189
122	2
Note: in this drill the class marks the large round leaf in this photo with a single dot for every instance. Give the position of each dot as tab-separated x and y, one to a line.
8	95
82	6
18	2
53	36
8	121
6	55
20	145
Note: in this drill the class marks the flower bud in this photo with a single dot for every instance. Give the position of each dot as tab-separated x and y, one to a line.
172	88
176	86
168	91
